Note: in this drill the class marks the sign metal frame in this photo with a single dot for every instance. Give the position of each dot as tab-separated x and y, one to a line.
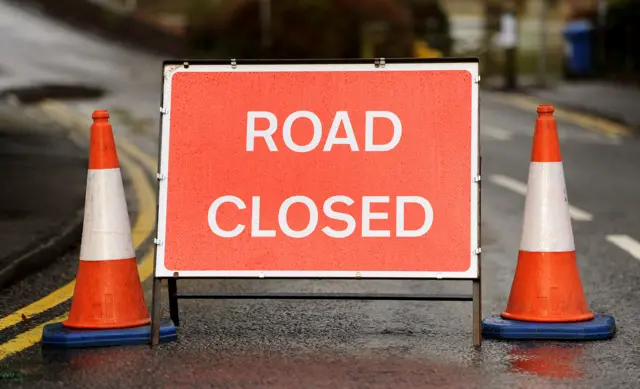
473	274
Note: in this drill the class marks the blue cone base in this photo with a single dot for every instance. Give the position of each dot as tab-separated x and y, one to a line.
57	336
600	327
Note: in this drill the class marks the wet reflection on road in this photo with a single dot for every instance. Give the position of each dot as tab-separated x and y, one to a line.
211	364
140	367
557	361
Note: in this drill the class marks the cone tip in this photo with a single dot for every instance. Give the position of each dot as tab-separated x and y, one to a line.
100	114
545	108
102	148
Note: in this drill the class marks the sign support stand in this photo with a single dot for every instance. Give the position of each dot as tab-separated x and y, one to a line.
174	296
155	312
477	283
463	72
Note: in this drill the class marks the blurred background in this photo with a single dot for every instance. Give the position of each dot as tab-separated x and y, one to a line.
519	42
582	56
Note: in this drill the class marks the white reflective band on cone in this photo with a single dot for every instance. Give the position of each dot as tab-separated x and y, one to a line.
106	234
546	225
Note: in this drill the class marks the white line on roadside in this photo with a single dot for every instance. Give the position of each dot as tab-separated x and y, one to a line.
626	243
578	214
497	133
509	183
521	188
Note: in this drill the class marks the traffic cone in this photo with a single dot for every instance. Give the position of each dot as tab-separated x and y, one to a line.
108	292
108	297
547	298
546	285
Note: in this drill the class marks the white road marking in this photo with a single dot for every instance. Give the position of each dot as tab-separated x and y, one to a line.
578	214
497	133
509	183
626	243
521	188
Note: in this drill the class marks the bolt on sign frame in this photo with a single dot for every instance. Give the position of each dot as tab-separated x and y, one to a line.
319	169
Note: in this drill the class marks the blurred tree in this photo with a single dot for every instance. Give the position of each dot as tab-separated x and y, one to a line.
200	22
621	35
305	28
431	24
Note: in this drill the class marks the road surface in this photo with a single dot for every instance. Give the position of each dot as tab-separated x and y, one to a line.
328	344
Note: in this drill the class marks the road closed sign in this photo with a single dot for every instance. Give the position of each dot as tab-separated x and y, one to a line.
324	169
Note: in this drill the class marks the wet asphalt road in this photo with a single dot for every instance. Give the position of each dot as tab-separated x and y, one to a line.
348	344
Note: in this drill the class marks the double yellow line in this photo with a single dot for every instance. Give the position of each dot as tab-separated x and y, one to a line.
133	160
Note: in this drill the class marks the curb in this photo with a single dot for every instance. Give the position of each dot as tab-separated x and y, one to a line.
581	109
580	116
633	129
40	255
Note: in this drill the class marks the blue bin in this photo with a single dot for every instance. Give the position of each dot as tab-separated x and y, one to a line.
578	46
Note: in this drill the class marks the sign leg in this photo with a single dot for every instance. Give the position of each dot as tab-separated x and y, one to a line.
477	313
477	283
155	312
173	301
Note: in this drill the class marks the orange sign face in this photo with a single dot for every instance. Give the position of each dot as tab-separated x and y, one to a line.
319	170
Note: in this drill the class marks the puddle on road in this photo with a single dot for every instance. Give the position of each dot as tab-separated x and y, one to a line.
142	367
37	93
537	365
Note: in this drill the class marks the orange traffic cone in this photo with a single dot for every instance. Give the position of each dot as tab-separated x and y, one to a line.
546	285
108	292
546	288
